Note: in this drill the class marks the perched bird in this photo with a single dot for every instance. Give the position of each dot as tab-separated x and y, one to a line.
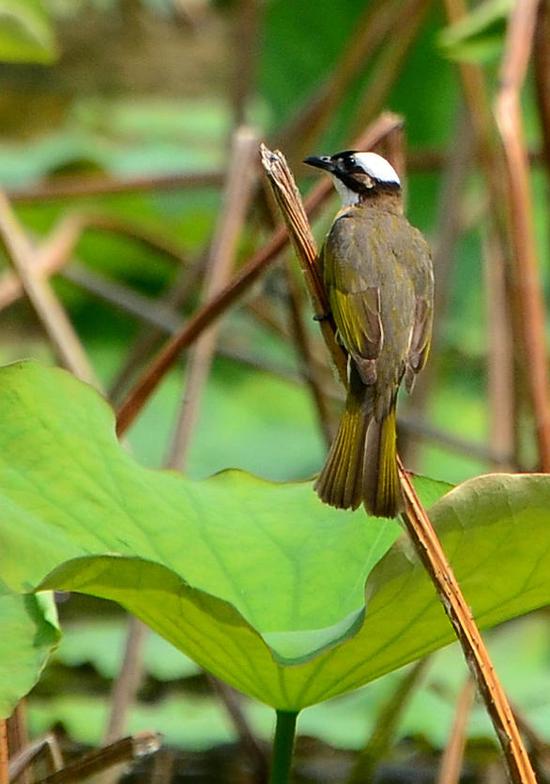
378	278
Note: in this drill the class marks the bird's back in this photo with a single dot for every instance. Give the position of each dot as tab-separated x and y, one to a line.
374	247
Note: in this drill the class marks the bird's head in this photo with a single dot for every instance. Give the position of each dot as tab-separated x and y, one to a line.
358	175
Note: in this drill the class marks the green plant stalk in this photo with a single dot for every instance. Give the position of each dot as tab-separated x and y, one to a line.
283	745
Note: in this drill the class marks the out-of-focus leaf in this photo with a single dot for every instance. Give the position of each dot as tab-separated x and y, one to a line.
101	643
189	722
26	35
29	633
520	652
479	36
124	139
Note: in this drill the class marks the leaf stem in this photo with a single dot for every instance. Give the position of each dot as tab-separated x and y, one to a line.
283	746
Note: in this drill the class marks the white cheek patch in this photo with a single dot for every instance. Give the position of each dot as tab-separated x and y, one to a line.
377	167
349	197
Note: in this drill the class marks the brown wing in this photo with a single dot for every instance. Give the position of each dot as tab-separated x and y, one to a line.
355	306
419	346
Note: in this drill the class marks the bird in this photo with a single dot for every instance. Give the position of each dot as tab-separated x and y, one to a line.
378	278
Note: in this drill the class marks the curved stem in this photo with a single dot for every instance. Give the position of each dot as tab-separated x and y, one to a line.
282	747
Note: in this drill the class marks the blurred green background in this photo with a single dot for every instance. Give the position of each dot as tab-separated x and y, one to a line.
151	89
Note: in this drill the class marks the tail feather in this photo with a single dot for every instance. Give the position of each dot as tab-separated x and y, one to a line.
340	482
381	485
361	466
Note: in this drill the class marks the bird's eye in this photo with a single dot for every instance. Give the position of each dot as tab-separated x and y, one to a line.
352	161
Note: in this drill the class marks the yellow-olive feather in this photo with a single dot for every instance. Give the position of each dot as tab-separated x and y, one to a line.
378	277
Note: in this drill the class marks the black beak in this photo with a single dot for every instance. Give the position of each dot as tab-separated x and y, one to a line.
323	162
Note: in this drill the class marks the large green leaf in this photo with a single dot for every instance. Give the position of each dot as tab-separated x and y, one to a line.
29	632
246	548
258	582
25	32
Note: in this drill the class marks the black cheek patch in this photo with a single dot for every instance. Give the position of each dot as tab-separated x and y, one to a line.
353	183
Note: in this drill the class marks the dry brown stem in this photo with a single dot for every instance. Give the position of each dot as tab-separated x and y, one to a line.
117	753
449	225
48	308
500	370
4	755
230	699
246	37
236	199
498	256
21	762
542	75
385	726
451	761
293	212
56	250
18	736
431	554
149	339
238	191
417	522
99	185
128	679
526	281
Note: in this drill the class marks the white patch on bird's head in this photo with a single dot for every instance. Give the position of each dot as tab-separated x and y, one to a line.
377	167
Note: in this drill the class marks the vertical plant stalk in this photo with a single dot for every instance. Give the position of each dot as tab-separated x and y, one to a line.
386	723
502	436
539	749
231	701
416	520
243	280
236	199
431	554
541	56
4	753
245	46
238	191
46	305
449	225
18	736
519	41
147	339
453	756
283	746
128	679
394	149
490	158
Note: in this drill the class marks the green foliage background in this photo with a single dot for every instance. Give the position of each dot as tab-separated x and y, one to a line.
61	115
